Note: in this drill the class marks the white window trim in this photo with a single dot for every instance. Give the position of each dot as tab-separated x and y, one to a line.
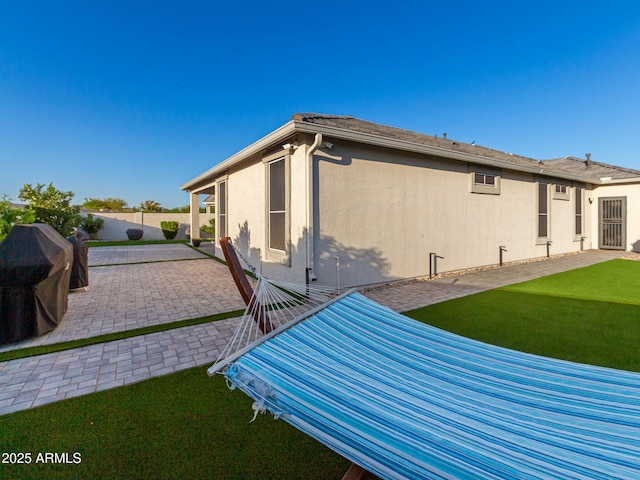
579	195
542	240
222	219
271	254
556	195
484	188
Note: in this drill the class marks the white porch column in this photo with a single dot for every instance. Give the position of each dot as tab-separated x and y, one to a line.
194	215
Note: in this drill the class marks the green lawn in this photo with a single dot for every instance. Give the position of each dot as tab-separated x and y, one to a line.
188	425
180	426
589	315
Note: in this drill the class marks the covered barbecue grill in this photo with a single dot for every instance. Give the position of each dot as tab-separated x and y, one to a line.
35	270
80	268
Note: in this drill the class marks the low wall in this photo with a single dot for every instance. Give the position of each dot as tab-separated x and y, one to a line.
116	224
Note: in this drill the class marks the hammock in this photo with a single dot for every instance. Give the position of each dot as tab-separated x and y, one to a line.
406	400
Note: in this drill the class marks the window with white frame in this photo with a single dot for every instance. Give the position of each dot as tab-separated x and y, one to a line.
277	205
543	211
221	209
483	181
560	192
579	218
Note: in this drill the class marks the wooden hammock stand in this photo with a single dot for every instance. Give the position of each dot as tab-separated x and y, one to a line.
355	472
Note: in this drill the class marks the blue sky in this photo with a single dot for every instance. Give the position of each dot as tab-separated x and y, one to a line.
132	99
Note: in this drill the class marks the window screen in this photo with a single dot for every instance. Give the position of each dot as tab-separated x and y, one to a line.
578	212
543	211
221	207
277	205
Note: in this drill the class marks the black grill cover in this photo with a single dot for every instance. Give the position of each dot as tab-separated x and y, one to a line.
35	269
80	268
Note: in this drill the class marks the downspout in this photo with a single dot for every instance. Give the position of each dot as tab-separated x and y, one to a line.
311	276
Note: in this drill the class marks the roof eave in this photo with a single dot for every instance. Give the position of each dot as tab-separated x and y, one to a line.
295	126
616	181
267	141
387	142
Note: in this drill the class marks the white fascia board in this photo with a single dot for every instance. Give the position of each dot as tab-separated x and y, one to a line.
405	145
617	181
274	137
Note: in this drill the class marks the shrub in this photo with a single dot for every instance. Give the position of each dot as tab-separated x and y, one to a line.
92	225
10	215
51	206
134	233
211	228
169	229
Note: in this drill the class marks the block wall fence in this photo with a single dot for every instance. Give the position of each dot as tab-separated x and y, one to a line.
116	224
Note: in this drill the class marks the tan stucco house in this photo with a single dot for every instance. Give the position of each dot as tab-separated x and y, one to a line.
339	200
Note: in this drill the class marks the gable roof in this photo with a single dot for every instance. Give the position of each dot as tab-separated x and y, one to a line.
354	129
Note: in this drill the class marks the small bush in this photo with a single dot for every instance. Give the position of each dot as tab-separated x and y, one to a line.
92	225
211	228
134	233
10	215
169	229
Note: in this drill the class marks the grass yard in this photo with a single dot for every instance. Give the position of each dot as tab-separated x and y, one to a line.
588	315
187	425
180	426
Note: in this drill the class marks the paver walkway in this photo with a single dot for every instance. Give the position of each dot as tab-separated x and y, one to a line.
37	380
420	294
141	253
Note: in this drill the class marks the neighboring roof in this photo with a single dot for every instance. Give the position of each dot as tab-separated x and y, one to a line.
597	170
354	129
210	199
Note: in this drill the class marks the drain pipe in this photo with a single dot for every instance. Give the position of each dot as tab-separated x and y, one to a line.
311	276
548	245
582	239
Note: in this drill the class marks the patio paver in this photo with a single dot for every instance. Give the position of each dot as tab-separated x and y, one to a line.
124	297
42	379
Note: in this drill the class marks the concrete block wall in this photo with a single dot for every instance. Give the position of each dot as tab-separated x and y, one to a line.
116	224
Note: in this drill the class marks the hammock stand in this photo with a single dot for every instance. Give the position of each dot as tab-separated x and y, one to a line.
411	401
355	472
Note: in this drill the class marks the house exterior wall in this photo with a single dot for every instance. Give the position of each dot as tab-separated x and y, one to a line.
382	212
378	214
632	192
247	214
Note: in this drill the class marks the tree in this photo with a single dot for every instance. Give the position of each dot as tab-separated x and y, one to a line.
150	206
109	203
183	209
51	206
115	204
10	216
92	225
94	204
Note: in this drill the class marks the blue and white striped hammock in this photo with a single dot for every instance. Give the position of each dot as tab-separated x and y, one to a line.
406	400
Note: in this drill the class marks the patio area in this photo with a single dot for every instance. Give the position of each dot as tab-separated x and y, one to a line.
137	286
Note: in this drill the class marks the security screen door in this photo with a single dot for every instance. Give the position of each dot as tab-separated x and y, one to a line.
612	216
